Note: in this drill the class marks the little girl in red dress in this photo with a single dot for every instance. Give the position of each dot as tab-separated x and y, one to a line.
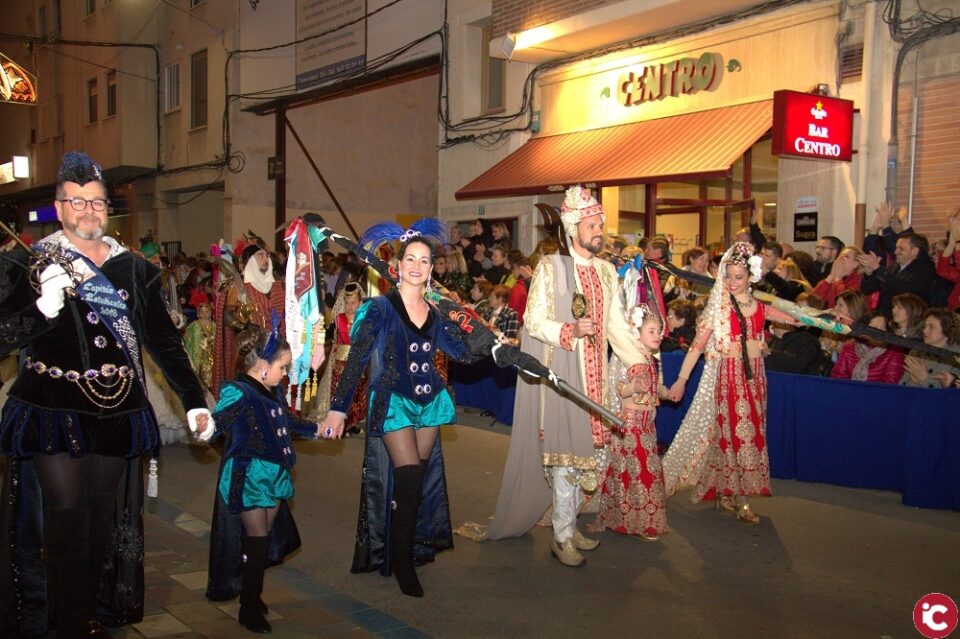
632	498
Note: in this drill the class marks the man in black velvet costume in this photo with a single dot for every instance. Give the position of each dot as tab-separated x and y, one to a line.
77	419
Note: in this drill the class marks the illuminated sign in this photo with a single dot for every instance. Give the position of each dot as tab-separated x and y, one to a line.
670	79
808	125
16	85
42	215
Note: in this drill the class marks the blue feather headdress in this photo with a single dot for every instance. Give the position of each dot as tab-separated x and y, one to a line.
269	350
428	227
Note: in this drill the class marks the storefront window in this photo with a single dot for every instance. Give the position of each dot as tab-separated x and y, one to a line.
705	212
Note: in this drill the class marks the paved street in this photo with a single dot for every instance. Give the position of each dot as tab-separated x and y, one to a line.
824	562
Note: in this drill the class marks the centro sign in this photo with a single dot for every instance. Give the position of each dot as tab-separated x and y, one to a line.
670	79
809	125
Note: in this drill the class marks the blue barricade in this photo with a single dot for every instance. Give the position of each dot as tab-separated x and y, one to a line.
486	386
837	432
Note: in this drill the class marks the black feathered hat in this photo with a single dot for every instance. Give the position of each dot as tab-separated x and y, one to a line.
76	166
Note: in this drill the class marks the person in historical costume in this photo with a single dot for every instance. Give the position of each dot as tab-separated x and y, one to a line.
720	449
170	416
168	280
239	307
573	313
344	316
171	421
255	480
77	419
198	340
632	497
228	322
398	334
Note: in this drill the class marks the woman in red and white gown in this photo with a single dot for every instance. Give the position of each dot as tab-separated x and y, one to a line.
721	448
344	310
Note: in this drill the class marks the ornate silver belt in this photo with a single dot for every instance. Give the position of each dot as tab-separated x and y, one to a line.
56	372
106	386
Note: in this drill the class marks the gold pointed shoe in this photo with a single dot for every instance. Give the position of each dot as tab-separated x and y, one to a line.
580	542
725	503
747	516
566	553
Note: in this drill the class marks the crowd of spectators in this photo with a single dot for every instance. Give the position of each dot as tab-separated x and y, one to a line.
898	283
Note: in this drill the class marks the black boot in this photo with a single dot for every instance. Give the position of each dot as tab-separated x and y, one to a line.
66	560
251	608
407	488
103	512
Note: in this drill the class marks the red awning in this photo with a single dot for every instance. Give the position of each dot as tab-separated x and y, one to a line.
689	146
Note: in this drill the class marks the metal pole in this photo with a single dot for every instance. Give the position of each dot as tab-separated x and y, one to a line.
280	180
316	170
913	136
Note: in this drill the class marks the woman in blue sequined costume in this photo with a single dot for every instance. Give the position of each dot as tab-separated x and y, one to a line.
398	334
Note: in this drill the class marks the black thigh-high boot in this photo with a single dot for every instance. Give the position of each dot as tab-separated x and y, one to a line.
255	563
407	488
66	559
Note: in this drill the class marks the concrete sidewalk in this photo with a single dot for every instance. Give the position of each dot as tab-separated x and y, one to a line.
177	546
824	561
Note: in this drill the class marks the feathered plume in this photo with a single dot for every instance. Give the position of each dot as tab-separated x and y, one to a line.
432	228
76	166
273	341
429	227
379	234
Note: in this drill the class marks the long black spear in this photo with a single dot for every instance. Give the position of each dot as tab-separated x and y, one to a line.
479	338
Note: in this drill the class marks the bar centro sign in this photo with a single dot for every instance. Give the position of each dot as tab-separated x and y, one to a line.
808	125
670	79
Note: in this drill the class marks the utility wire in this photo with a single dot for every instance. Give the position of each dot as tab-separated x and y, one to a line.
96	64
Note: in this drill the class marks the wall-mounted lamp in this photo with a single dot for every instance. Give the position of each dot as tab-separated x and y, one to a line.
17	169
508	44
21	167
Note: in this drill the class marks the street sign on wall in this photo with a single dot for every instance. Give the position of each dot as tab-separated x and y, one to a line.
333	36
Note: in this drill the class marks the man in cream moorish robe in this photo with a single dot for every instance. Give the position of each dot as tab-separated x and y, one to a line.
552	450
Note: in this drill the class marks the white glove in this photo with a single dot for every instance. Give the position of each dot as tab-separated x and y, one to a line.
192	415
179	321
53	283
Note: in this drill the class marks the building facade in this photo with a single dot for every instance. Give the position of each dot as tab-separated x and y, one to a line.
215	118
666	108
182	102
131	85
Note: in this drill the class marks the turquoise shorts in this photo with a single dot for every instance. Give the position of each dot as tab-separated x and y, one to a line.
267	483
404	412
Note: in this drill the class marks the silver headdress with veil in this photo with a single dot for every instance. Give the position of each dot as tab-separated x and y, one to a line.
683	461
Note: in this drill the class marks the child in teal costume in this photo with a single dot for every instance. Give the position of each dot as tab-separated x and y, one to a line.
255	478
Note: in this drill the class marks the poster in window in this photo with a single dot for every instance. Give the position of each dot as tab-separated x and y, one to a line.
805	219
